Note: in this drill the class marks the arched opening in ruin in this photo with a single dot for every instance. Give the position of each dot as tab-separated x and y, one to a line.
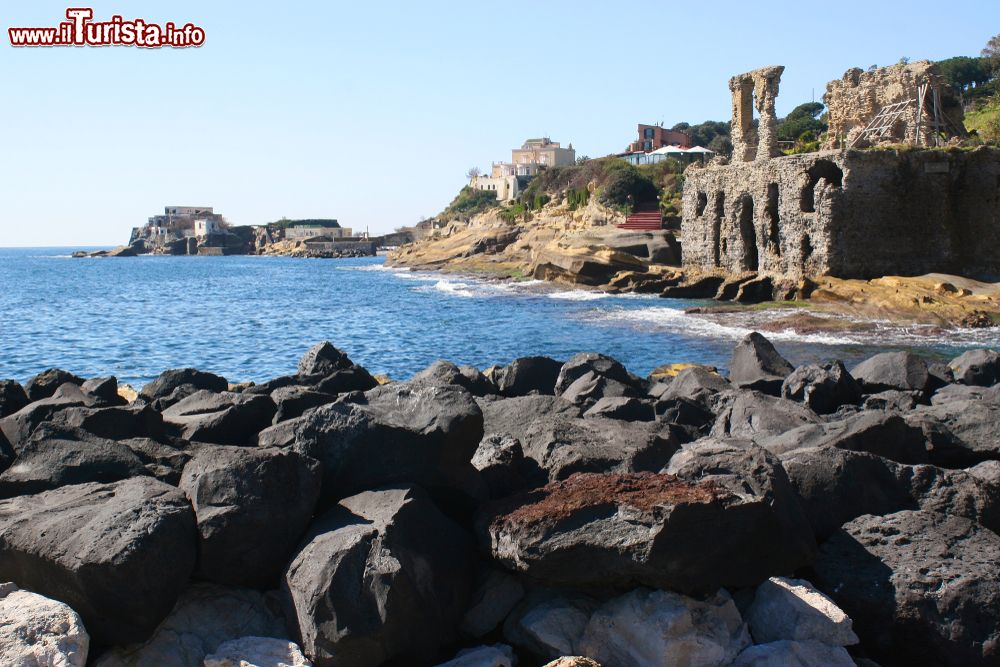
821	169
806	250
718	243
702	203
773	219
748	233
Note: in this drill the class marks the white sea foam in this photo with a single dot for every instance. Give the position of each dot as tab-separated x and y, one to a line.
578	295
736	325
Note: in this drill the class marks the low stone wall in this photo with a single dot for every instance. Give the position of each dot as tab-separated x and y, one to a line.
855	214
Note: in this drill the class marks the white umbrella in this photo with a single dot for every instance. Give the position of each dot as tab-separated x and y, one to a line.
666	150
698	149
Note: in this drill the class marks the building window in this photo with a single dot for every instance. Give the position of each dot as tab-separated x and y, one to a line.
647	133
647	146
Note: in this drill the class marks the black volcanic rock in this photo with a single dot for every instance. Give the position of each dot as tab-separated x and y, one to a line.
382	575
757	365
293	400
823	388
977	367
119	554
19	426
837	485
921	587
252	506
903	371
44	384
225	418
398	433
600	365
12	397
562	446
53	457
627	529
527	375
323	359
168	381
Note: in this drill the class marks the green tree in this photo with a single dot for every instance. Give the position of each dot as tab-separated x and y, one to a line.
962	72
627	188
801	119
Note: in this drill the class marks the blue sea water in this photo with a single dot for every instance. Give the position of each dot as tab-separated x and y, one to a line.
251	318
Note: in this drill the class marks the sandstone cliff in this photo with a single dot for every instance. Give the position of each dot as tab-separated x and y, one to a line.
581	246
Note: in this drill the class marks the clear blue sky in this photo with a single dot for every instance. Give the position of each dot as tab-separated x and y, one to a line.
371	112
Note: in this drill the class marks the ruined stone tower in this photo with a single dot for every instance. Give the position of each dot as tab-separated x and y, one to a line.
850	214
757	89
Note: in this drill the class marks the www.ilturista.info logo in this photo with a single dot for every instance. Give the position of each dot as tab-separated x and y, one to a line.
80	30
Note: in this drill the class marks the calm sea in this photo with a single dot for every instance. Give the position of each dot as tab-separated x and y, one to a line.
250	318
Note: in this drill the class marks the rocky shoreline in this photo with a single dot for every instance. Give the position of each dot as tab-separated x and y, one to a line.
541	511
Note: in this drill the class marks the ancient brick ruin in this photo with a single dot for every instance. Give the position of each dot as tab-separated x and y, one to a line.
849	214
855	99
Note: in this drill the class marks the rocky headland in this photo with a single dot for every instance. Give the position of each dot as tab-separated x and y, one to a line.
548	511
584	248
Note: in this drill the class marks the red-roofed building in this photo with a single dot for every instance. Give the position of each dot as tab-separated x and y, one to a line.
652	137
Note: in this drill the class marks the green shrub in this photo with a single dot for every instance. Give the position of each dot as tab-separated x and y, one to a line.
626	188
468	202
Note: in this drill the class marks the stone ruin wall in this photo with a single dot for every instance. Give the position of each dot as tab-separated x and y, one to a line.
855	214
849	214
853	101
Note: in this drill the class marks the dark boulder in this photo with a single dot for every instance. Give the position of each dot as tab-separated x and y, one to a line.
323	359
119	554
625	529
953	492
751	415
922	588
225	418
173	398
168	381
565	445
7	454
19	426
44	384
591	387
599	364
696	384
884	434
399	433
977	367
757	365
503	466
695	419
54	457
516	415
104	391
382	576
960	433
346	380
527	375
12	397
118	423
903	371
623	409
445	372
252	506
894	400
823	388
162	461
293	400
837	485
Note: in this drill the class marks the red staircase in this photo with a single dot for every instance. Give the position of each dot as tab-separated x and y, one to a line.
645	219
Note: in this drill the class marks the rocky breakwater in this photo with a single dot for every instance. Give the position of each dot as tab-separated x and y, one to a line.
580	247
563	511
